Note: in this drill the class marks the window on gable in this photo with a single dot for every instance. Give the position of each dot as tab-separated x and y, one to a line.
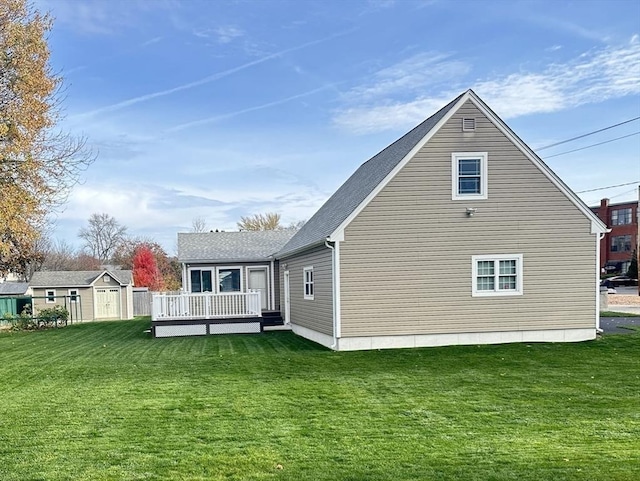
469	175
51	296
621	243
621	216
308	282
497	275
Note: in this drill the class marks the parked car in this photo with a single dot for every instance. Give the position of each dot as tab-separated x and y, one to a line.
618	281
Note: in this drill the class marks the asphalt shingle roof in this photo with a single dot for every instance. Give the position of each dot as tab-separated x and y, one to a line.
356	189
76	278
244	246
11	288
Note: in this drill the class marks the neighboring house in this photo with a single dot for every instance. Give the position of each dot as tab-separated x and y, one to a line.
93	295
617	246
457	233
224	262
13	288
13	298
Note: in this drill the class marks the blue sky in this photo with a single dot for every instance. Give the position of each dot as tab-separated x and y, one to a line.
221	109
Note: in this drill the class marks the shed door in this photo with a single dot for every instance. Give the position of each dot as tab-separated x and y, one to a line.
107	303
258	282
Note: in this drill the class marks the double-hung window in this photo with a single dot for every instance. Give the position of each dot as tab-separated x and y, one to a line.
308	282
50	296
73	295
469	176
621	216
497	275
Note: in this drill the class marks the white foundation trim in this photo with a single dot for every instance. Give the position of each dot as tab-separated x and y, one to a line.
312	335
433	340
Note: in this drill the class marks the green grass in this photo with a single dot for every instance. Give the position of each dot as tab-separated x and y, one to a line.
104	401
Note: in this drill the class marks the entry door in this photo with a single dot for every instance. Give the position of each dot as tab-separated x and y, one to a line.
258	282
107	303
287	299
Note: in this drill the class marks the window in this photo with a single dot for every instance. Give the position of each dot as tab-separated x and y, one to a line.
308	282
229	280
621	217
621	243
73	295
497	275
201	281
51	296
469	175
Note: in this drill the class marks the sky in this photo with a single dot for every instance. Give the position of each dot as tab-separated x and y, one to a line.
222	109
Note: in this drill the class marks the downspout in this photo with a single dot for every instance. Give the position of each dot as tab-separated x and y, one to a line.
600	237
335	272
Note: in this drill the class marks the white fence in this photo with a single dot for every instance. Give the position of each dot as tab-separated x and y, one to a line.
172	306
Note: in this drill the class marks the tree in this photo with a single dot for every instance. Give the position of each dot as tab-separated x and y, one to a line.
198	224
102	236
145	270
268	221
169	267
38	164
633	266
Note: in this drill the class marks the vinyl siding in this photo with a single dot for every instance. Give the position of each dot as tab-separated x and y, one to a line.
316	314
86	301
406	259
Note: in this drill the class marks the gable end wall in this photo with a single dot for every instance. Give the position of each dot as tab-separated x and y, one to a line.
406	258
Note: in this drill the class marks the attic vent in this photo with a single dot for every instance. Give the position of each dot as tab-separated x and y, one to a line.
468	125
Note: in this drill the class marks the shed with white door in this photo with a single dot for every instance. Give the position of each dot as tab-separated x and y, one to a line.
94	295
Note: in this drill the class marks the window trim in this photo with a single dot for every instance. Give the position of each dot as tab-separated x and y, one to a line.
228	268
308	283
50	298
455	158
496	258
74	297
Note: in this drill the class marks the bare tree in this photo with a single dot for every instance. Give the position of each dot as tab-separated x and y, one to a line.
60	256
198	224
268	221
102	236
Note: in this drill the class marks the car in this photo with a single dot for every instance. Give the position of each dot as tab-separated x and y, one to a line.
618	281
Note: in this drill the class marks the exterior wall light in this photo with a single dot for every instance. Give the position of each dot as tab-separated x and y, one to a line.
471	211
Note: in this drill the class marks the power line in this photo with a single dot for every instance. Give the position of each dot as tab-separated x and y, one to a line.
587	134
608	187
592	145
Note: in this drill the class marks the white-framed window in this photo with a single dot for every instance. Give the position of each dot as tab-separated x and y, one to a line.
73	295
216	279
51	296
307	273
497	275
229	279
469	175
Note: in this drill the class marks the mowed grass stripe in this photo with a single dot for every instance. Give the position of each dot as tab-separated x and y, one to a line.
106	401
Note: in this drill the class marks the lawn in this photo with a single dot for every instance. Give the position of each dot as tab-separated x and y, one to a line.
105	401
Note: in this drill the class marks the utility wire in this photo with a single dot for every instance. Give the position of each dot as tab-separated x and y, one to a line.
592	145
608	187
587	134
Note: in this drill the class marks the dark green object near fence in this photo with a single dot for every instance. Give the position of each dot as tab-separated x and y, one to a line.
13	305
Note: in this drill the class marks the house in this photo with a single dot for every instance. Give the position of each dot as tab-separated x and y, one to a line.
13	297
457	233
617	246
88	295
222	262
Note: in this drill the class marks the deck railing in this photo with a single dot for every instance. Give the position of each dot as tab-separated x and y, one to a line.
176	306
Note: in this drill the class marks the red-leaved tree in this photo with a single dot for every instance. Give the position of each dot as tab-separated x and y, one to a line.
145	270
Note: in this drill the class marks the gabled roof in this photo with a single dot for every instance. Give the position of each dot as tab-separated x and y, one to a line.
244	246
329	222
12	288
77	278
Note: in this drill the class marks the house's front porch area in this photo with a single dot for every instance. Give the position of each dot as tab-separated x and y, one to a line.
201	314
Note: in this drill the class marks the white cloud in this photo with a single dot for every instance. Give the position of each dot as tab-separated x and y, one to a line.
592	77
228	33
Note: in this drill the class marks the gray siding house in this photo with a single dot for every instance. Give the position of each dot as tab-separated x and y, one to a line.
89	295
226	262
457	233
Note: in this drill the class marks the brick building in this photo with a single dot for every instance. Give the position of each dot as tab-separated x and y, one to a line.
617	246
